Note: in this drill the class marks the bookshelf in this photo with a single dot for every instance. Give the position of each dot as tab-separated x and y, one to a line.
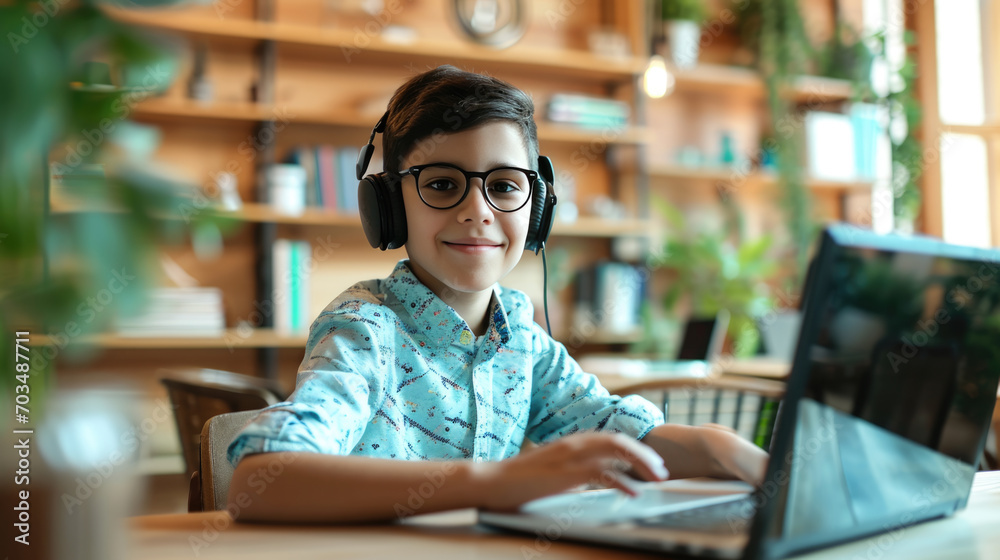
294	65
231	338
755	177
239	44
158	110
745	82
556	63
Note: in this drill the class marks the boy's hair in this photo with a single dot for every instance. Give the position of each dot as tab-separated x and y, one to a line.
447	100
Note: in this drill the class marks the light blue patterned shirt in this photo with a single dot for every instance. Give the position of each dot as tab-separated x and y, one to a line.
391	371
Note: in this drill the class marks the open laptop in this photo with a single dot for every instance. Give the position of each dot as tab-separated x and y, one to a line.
885	416
700	347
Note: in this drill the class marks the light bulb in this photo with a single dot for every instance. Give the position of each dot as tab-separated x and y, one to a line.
657	81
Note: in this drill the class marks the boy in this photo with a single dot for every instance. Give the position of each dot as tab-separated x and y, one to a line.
437	364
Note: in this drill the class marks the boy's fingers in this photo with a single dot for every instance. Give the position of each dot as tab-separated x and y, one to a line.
617	480
621	454
645	461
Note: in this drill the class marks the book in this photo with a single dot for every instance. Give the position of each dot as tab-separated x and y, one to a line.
291	265
587	111
326	163
176	312
347	181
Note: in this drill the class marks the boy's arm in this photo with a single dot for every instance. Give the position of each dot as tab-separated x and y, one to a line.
314	487
690	451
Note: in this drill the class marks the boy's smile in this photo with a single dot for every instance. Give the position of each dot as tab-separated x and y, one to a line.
461	252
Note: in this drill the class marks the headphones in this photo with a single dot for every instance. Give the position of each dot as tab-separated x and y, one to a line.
380	202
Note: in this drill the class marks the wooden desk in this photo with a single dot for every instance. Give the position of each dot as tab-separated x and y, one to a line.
753	368
970	534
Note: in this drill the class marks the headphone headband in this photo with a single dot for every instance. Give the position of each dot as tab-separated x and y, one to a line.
365	157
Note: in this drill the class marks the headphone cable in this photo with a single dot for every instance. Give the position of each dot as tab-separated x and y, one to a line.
545	290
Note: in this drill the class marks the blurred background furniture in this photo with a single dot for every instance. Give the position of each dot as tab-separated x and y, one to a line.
746	405
210	484
196	395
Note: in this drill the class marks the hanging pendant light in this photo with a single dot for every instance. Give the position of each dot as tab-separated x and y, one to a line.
657	80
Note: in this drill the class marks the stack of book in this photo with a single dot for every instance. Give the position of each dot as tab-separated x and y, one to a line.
609	296
177	312
586	111
291	265
331	182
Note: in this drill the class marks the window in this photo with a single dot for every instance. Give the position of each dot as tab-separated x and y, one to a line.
962	131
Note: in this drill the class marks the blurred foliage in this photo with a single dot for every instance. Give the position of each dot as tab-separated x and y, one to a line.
688	10
715	269
773	32
71	78
907	153
785	55
846	56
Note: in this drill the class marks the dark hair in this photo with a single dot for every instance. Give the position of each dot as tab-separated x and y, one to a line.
446	100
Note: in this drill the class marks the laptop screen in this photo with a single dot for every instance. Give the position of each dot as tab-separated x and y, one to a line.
893	386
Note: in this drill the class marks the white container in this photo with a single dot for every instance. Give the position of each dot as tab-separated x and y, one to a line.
286	188
684	37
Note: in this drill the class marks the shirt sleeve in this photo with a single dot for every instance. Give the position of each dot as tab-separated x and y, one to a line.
330	408
566	400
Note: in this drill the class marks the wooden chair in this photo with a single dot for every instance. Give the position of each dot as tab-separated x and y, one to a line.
745	404
197	395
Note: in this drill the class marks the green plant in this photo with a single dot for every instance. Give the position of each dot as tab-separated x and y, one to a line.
58	111
689	10
846	57
907	152
714	270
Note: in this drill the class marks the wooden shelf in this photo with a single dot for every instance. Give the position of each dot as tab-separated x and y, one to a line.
604	337
568	64
162	109
599	227
566	133
232	338
264	213
257	212
765	178
733	80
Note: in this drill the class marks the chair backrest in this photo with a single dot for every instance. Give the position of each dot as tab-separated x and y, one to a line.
745	404
216	472
199	394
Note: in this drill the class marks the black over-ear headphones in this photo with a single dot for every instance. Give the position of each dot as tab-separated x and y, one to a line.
380	202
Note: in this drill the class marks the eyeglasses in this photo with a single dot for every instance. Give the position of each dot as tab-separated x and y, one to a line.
443	186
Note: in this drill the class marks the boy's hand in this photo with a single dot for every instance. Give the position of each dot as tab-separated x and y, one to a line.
566	463
734	456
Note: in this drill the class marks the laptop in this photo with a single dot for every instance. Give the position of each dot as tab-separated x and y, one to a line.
885	416
700	347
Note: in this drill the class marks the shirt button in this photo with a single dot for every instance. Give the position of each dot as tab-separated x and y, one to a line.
479	459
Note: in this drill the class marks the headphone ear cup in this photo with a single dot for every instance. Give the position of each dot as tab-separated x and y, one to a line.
383	217
540	221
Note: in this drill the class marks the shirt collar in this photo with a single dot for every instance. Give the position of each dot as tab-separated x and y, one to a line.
424	308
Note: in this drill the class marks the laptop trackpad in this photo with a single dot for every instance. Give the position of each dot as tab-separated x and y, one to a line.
655	498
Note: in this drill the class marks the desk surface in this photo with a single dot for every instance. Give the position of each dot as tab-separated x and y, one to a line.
972	533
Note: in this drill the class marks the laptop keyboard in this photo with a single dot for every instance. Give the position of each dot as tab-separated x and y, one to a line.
727	517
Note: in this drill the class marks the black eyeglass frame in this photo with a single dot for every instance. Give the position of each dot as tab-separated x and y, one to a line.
482	175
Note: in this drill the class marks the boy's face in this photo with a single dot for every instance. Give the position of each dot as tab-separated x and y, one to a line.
472	246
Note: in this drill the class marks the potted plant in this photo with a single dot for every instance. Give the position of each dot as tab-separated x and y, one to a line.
682	21
71	78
